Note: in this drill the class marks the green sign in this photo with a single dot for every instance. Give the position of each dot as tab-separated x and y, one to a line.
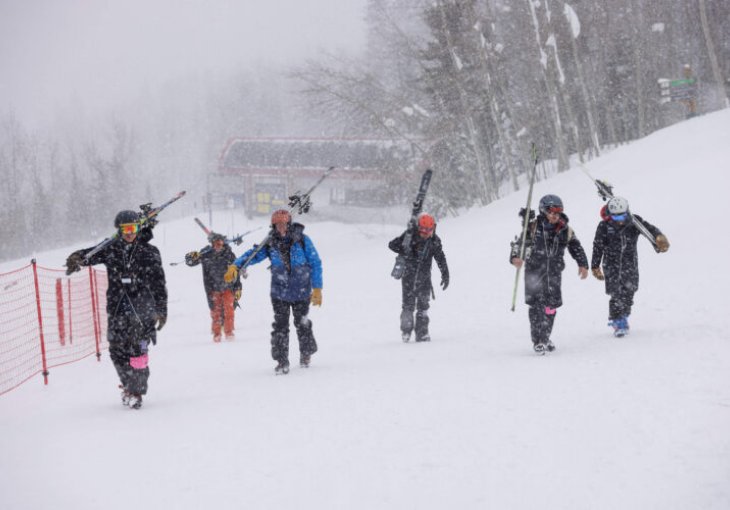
681	83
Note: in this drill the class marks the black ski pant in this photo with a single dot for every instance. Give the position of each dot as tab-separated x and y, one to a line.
129	338
415	297
542	319
280	332
620	303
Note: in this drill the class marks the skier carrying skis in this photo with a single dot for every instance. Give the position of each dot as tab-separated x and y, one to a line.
548	236
221	295
136	300
614	247
416	280
296	281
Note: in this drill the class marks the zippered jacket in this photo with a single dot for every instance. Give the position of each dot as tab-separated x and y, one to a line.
545	259
614	248
295	264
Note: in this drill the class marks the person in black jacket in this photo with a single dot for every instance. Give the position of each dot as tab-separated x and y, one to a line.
416	281
221	295
136	301
548	236
615	246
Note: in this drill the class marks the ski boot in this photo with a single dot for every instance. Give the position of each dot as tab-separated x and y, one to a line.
550	346
282	368
125	395
305	360
540	348
620	327
406	336
217	338
423	338
135	401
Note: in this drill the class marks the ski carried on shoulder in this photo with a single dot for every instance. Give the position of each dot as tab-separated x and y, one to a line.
298	202
400	263
605	191
237	240
148	218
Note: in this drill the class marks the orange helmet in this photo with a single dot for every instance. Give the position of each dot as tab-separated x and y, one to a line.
426	224
280	216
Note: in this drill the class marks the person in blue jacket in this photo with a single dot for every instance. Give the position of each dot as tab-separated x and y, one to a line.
296	281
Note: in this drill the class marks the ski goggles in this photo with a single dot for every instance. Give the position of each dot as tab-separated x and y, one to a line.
129	228
619	217
555	209
426	230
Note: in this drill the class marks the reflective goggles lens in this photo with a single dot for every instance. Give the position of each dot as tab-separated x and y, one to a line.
425	230
555	209
129	228
619	217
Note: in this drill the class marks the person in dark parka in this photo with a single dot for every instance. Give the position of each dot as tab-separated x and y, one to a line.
136	301
221	295
296	282
614	248
416	284
548	236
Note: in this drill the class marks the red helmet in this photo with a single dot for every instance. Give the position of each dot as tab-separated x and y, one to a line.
280	216
426	223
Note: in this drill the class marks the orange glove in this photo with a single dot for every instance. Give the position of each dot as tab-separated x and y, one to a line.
316	297
598	273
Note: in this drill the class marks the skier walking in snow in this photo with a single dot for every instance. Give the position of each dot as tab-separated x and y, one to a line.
296	281
416	280
548	236
614	247
136	301
221	295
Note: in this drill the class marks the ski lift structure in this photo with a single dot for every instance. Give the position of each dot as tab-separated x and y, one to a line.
260	174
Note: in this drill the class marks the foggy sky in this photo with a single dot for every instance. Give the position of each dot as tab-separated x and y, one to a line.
97	52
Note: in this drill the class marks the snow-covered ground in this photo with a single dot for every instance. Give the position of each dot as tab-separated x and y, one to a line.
473	419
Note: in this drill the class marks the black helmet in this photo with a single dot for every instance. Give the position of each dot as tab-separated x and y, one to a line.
215	236
550	201
126	217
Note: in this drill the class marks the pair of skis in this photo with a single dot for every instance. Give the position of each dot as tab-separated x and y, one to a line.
525	224
605	191
298	202
148	219
400	260
235	240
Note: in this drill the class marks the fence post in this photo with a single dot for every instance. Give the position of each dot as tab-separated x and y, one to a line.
40	321
59	312
94	306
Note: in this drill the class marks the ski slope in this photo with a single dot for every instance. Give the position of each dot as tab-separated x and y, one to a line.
473	419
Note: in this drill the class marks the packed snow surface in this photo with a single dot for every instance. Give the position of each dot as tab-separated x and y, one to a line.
473	419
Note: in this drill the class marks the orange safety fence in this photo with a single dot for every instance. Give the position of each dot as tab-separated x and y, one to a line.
48	319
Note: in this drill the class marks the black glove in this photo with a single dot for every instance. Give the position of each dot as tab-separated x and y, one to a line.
192	258
74	262
161	320
444	281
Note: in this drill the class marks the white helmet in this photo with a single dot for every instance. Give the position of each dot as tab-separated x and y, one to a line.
618	205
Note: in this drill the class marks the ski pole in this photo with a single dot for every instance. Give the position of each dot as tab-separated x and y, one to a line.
525	224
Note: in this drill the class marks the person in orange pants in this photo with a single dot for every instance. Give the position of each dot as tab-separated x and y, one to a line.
222	296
